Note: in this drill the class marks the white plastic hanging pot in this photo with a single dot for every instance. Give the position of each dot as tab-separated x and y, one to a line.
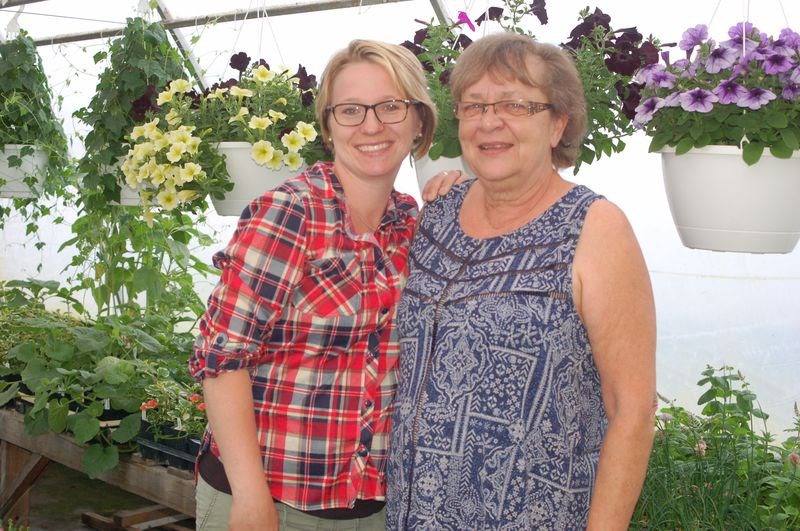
250	180
720	203
23	181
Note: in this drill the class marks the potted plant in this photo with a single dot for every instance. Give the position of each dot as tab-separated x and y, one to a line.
727	121
33	148
262	123
606	60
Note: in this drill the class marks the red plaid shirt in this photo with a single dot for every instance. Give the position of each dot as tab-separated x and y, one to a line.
307	306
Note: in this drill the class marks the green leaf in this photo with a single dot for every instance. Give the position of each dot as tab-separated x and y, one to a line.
781	150
85	427
684	145
9	393
777	120
99	459
90	339
57	412
789	138
709	395
128	428
60	351
751	152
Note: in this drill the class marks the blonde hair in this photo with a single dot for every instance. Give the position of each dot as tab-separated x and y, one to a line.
509	56
403	68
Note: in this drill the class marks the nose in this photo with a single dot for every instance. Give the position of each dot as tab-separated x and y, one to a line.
371	121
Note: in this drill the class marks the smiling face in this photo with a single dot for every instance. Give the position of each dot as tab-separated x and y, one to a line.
518	147
371	150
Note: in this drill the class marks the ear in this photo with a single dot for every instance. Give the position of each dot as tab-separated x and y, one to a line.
558	125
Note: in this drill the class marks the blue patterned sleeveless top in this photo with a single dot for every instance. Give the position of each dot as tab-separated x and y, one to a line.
498	419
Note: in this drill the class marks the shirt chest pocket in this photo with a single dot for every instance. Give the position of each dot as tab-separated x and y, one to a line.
331	286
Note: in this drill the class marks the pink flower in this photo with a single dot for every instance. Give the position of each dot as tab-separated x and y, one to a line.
201	406
794	459
150	404
195	398
464	19
700	448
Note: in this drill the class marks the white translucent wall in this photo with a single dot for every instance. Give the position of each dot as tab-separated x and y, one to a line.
713	308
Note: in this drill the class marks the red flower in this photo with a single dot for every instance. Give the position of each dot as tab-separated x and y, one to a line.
201	406
194	398
150	404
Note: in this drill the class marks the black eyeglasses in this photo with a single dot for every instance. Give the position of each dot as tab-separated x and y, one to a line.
387	112
466	110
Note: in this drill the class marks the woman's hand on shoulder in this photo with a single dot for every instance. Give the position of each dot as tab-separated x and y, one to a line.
441	183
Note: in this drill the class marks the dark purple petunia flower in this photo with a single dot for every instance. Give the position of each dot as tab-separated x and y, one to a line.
493	13
729	91
624	59
698	100
756	98
420	35
776	63
630	95
144	103
585	28
693	37
649	53
539	10
462	42
240	61
306	81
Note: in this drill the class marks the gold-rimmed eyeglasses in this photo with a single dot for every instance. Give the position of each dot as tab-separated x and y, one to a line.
466	110
387	112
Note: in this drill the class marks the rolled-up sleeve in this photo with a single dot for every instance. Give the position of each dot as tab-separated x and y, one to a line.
259	267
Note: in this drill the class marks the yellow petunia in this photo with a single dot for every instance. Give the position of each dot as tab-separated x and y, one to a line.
281	101
259	122
190	171
167	199
179	85
164	97
307	130
158	174
179	136
243	111
193	145
151	127
293	141
187	196
160	143
262	74
276	161
239	92
176	151
293	160
148	217
262	152
276	115
137	132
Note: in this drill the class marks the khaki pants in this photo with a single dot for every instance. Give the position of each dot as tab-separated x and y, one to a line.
214	506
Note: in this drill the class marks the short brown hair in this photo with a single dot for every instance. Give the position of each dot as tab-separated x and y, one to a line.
508	55
405	71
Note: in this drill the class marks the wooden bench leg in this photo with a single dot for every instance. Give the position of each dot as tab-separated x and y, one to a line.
20	470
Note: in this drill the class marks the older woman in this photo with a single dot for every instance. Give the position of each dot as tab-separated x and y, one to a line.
527	327
297	351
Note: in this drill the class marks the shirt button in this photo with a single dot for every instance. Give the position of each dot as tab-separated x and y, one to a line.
363	451
384	310
367	404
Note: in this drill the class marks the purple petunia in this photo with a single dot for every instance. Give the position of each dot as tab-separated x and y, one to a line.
791	92
698	100
756	98
729	91
646	110
790	38
776	63
721	58
693	37
673	100
794	77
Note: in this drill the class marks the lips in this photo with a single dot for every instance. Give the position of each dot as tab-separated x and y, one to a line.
492	146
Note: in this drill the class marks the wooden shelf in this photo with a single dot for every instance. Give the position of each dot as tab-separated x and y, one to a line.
164	485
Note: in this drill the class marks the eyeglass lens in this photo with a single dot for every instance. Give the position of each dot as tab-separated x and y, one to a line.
387	112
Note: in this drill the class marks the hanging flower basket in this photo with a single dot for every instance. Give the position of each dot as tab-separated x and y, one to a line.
720	203
250	180
25	180
427	168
